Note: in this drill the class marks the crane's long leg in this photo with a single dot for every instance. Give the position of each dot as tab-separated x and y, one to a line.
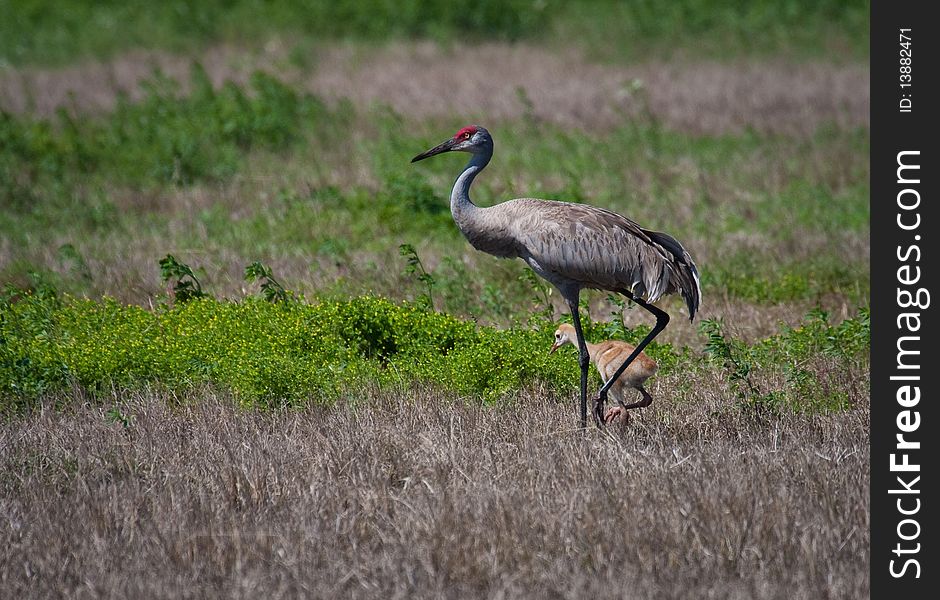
662	319
584	359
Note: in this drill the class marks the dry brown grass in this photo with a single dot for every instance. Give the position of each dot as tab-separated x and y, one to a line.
410	494
424	80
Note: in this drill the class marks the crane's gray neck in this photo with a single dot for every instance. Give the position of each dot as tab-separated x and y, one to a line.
461	207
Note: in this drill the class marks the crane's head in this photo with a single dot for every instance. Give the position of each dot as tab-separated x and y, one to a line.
472	138
565	334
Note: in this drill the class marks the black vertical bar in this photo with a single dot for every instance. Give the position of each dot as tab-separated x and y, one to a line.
903	232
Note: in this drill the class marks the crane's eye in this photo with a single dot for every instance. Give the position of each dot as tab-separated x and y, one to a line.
466	135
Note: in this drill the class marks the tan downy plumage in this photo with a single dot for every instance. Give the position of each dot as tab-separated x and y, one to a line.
607	356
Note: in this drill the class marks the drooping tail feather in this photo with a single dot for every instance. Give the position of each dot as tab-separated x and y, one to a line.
684	270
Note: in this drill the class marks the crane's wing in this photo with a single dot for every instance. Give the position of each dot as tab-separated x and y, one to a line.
600	249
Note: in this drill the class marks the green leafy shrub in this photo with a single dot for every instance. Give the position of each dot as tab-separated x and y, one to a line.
180	279
271	288
264	352
791	354
416	267
851	339
738	361
273	353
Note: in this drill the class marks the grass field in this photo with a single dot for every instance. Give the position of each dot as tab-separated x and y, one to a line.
370	409
421	494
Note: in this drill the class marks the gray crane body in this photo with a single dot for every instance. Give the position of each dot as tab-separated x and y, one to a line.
572	246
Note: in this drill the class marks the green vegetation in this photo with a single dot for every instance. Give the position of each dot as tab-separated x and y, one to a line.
719	27
792	352
242	340
271	288
168	138
779	217
290	351
186	285
266	352
269	171
32	31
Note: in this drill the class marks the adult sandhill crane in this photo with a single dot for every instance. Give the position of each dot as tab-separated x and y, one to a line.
607	356
573	246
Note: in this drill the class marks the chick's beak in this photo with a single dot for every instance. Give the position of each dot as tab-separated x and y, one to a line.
555	346
445	146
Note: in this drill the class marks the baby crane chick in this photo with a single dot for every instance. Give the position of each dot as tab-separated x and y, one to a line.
607	357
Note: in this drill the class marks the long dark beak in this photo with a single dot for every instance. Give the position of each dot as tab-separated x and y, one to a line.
445	146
